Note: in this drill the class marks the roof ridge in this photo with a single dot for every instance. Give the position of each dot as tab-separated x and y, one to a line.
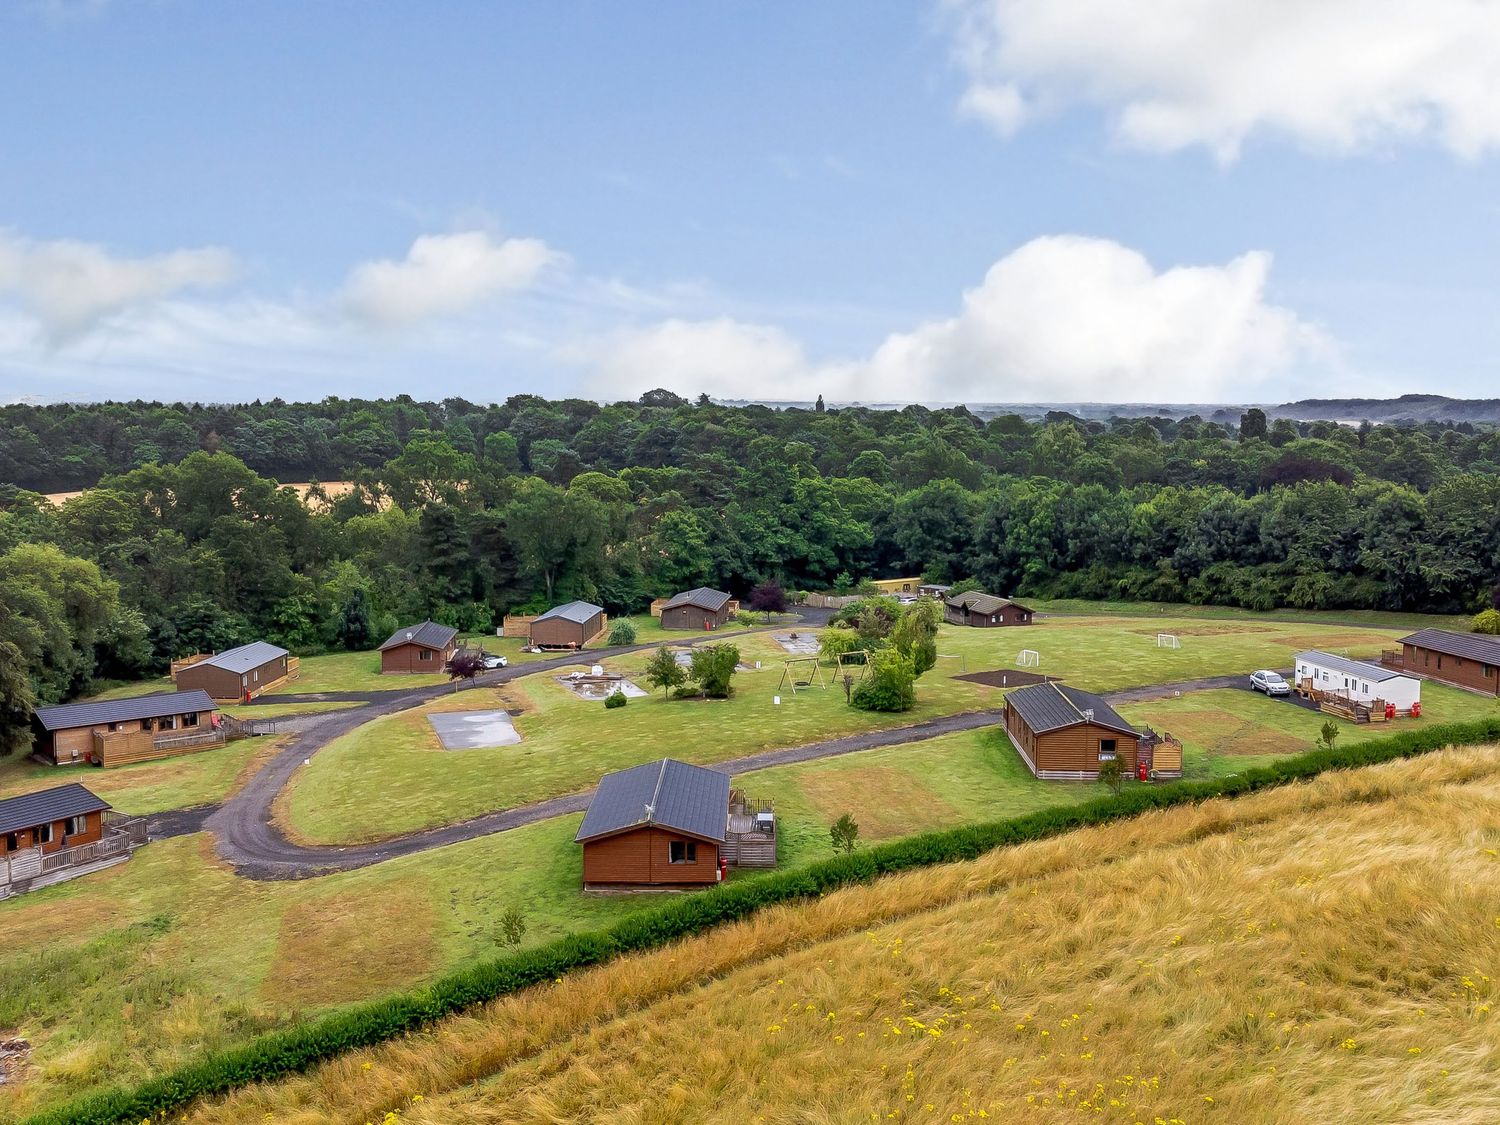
1057	687
656	793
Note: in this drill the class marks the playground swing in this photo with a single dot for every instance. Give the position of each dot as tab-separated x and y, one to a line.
855	663
1028	658
802	672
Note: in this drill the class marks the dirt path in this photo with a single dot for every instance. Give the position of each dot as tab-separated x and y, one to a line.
247	838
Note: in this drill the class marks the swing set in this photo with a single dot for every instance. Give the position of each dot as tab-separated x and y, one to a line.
802	672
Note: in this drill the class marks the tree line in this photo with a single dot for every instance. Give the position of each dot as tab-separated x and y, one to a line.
460	518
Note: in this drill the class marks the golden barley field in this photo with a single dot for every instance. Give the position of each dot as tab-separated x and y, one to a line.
1320	953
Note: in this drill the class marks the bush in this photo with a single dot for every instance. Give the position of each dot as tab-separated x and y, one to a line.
889	685
835	643
713	667
622	633
615	699
746	618
304	1045
1487	621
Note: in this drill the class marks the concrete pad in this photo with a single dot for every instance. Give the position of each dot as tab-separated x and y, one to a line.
803	644
472	730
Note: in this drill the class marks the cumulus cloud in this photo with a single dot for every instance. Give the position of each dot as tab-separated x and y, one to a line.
443	274
69	286
1336	75
1060	318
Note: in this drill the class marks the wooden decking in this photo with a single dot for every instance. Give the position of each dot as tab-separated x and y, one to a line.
745	844
30	869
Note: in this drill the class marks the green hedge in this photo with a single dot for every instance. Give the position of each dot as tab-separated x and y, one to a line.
281	1053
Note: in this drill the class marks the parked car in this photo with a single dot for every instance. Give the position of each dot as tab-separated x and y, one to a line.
492	662
1269	682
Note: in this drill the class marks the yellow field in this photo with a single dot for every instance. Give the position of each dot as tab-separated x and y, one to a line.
1312	954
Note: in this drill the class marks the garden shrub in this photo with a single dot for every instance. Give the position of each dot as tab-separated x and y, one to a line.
713	667
304	1045
615	699
889	685
1486	621
622	633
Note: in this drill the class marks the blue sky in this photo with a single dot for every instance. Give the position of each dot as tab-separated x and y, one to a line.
983	200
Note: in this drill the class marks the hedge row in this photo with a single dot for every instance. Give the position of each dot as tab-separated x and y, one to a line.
281	1053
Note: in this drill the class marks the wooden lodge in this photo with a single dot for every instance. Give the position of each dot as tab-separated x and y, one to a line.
669	824
572	625
985	611
698	609
111	732
60	833
418	649
236	675
1062	734
1466	660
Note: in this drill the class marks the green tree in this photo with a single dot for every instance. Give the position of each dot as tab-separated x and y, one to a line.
1328	734
889	685
844	834
1253	424
622	632
354	631
1486	621
713	667
1112	775
663	671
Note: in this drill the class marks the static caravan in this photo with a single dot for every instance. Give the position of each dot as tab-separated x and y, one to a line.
1356	680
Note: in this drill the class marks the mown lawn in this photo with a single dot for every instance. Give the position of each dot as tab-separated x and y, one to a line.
1376	618
149	787
390	777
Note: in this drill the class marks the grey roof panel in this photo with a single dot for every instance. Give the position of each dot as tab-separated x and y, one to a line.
665	794
703	597
1473	646
244	658
1053	706
429	634
32	809
124	710
1360	668
978	601
580	613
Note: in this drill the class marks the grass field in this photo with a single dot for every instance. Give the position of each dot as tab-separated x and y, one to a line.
390	777
150	787
1315	953
1375	618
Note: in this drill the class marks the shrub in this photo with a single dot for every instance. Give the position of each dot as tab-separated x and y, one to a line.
746	618
622	633
1112	774
304	1045
835	643
1487	621
615	699
510	929
713	667
844	834
888	686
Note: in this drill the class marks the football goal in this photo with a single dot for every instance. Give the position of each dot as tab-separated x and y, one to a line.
1028	658
1168	640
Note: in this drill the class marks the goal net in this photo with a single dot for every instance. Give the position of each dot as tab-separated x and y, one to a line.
1028	658
1167	640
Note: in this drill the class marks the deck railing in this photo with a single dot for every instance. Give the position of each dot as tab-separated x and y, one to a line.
121	836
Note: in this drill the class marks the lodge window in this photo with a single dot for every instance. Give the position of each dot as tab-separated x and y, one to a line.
12	841
167	722
190	719
424	654
76	826
682	851
43	834
145	724
1489	670
1107	749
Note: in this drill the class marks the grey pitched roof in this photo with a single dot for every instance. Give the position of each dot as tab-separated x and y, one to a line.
1053	706
32	809
580	613
123	710
702	597
429	634
1473	646
665	794
1349	667
980	602
242	659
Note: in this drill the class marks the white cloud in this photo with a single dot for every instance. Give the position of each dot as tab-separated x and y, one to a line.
71	286
1060	318
1336	75
443	274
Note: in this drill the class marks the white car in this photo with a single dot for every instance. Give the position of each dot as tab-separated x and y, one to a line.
1269	682
493	662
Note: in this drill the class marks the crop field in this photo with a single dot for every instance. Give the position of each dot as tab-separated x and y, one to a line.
1034	984
388	777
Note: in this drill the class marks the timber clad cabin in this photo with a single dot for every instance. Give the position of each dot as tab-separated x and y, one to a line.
696	609
1063	734
661	824
115	731
59	833
1466	660
421	648
984	611
568	626
237	674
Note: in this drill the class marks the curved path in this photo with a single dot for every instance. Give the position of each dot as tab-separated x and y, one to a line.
246	836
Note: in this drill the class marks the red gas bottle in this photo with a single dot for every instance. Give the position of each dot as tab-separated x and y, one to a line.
1140	769
1390	710
1416	710
723	869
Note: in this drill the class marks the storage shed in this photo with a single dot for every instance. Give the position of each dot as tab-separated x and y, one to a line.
984	611
1062	733
418	648
696	609
661	824
116	731
237	674
568	626
1355	680
1466	660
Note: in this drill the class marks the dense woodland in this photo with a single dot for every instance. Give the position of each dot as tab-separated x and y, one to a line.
184	541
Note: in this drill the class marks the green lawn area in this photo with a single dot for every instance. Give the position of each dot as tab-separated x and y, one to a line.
1381	619
282	710
390	777
147	787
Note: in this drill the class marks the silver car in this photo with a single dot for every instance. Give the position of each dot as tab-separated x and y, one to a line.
1269	682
